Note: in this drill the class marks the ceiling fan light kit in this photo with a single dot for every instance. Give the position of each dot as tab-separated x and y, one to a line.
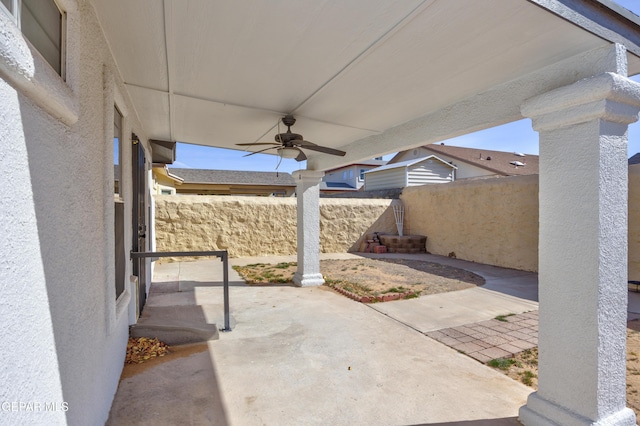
288	144
285	152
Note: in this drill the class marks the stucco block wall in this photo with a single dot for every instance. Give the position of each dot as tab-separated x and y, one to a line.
259	226
62	339
493	221
344	223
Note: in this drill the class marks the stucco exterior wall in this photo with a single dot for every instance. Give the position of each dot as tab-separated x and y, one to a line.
64	336
493	221
23	286
258	226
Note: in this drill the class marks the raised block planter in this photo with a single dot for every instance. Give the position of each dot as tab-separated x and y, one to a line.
380	249
405	243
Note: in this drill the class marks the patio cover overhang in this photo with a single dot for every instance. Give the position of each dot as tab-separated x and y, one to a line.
367	77
375	77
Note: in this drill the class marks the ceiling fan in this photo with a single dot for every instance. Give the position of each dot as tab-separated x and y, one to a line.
289	144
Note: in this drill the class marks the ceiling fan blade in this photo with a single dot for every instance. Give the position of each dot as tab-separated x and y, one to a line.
258	152
324	149
301	156
258	143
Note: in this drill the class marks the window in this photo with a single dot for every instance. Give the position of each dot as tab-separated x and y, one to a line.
165	192
350	173
119	265
117	150
362	174
120	258
344	175
43	24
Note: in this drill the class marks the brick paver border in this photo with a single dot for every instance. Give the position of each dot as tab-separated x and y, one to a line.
487	340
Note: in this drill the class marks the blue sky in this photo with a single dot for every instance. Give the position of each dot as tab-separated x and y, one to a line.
516	136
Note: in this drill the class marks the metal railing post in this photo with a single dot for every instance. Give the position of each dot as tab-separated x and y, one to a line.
225	274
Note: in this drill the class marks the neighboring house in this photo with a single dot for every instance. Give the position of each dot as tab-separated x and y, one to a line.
635	159
419	171
475	162
173	181
442	164
164	181
348	178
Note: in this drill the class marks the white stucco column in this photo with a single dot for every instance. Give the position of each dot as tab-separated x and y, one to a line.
583	252
308	193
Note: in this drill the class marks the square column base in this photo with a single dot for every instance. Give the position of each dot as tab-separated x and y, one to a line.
539	411
308	280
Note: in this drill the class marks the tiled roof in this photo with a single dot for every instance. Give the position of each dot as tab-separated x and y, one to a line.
234	177
496	161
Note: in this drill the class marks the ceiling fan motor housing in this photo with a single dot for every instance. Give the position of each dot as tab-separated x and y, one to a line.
288	120
287	138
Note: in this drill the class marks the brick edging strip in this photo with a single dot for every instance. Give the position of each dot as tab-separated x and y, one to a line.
373	299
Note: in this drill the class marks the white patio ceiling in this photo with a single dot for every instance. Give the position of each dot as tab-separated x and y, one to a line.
365	76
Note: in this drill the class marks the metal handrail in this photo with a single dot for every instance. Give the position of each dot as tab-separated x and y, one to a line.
223	254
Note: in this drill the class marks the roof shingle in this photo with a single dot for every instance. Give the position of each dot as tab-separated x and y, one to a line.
496	161
234	177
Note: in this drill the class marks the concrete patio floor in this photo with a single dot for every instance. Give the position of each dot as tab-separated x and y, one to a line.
310	356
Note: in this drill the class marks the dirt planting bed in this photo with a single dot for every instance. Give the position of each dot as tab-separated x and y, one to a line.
371	280
524	366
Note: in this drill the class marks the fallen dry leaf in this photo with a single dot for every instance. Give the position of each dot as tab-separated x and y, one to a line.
143	348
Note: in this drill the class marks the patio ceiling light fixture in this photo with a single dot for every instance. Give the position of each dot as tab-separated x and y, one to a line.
287	152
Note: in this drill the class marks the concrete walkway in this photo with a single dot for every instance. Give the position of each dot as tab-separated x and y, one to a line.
310	356
506	291
307	356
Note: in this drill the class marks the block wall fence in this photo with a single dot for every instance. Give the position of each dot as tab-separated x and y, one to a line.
492	221
260	226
